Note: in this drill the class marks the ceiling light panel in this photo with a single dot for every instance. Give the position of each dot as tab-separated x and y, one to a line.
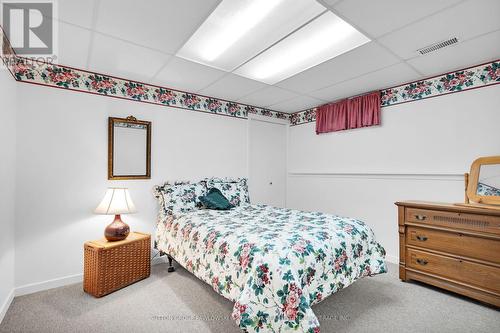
324	38
237	30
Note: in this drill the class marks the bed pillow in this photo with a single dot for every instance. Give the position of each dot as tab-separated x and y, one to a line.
234	189
215	200
179	197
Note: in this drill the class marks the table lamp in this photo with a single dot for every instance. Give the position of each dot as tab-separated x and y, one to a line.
116	201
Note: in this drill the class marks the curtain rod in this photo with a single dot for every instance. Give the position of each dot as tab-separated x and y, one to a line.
348	98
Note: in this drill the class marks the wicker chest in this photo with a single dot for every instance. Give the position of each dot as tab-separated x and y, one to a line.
109	266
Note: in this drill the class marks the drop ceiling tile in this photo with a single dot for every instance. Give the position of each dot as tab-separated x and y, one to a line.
328	3
380	17
268	96
232	87
186	75
464	21
384	78
158	24
73	45
119	58
462	55
361	60
297	104
76	12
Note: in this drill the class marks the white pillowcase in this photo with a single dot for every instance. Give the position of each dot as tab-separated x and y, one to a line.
234	189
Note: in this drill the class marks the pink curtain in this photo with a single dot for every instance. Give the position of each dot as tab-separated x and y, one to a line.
331	117
371	109
356	112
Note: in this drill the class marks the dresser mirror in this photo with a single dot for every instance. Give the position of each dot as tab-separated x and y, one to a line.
483	185
129	148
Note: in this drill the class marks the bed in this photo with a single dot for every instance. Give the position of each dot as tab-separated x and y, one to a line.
273	263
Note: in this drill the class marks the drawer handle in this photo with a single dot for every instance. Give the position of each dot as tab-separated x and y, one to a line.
422	262
420	217
421	238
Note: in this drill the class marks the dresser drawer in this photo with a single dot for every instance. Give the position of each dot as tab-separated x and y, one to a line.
472	222
455	243
483	276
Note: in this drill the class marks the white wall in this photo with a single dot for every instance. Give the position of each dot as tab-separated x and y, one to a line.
7	187
420	152
62	171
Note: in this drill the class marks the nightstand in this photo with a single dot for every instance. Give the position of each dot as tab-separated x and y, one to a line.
109	266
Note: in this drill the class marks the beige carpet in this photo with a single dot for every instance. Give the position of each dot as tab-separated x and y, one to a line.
178	302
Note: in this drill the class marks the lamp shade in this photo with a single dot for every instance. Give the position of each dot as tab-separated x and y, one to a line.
116	201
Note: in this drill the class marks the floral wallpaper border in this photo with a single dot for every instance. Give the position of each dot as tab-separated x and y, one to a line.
52	75
26	70
461	80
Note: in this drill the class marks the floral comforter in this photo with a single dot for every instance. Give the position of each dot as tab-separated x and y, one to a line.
274	263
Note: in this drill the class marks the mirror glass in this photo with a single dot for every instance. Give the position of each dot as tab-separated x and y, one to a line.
489	180
129	149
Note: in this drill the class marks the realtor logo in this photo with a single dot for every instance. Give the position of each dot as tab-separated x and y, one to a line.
29	26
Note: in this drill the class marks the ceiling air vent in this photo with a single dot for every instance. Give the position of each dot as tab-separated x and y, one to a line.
437	46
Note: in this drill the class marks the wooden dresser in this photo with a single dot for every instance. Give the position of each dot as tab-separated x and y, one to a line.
452	247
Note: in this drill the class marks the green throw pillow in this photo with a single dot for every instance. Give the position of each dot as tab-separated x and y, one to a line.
214	199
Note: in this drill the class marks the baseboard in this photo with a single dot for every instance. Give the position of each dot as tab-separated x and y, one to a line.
392	259
159	260
63	281
49	284
5	306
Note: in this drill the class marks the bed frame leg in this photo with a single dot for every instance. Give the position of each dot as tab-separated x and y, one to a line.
171	267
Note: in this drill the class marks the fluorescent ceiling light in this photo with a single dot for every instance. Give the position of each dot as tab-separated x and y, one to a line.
324	38
237	30
236	26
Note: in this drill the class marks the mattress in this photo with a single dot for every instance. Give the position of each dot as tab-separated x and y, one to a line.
273	263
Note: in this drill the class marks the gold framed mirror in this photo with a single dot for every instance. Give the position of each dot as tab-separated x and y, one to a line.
484	181
129	148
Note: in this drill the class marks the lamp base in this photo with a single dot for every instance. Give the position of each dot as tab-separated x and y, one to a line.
117	230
